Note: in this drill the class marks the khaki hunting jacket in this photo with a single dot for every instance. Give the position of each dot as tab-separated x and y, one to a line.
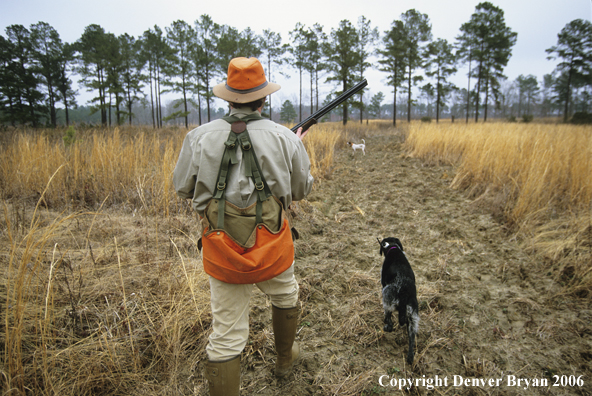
281	155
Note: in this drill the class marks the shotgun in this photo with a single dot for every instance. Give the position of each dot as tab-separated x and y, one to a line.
313	119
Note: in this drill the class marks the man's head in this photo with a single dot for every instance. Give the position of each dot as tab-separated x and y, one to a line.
246	82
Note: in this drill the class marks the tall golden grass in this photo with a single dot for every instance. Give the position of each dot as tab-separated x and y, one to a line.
320	146
132	166
538	176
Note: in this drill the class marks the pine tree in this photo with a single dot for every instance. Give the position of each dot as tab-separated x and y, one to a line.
440	64
271	45
287	112
64	84
341	60
298	58
47	51
181	37
491	42
574	48
131	75
8	92
392	59
156	53
26	99
205	60
375	107
417	30
367	37
93	48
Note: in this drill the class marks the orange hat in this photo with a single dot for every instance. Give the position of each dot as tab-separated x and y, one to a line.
245	83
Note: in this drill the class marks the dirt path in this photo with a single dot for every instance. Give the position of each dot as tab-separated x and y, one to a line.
488	312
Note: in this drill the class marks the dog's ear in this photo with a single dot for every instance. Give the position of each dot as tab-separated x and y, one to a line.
399	244
380	244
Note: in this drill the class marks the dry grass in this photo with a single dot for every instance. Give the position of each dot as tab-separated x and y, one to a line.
130	167
534	177
89	311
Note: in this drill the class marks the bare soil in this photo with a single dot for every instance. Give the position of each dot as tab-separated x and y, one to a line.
488	310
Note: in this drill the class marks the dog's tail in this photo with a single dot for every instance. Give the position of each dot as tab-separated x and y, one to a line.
412	329
364	141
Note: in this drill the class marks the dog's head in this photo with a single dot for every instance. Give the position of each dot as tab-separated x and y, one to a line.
349	143
387	243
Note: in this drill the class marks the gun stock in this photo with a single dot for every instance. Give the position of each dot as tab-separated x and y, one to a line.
314	118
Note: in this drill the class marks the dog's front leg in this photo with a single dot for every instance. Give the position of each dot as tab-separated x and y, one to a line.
388	321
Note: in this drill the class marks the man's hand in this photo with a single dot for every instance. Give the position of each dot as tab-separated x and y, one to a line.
300	134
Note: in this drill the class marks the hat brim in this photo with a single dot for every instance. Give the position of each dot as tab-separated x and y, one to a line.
223	92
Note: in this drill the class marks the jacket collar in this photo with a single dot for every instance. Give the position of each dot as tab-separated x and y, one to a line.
241	112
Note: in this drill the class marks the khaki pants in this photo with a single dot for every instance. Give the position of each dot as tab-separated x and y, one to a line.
230	311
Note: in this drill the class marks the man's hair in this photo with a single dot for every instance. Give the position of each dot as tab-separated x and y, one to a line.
254	105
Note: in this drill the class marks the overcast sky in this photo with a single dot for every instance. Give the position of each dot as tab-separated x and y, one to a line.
537	22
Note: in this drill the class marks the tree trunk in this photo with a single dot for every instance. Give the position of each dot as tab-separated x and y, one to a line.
438	87
199	107
567	96
409	97
185	104
477	98
317	88
129	106
395	104
66	110
152	97
486	100
344	104
269	79
311	92
300	98
207	93
109	109
158	97
469	87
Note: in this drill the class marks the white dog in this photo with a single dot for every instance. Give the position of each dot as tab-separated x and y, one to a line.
361	146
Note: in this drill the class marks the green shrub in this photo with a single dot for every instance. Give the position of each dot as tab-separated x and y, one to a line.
581	117
70	136
527	118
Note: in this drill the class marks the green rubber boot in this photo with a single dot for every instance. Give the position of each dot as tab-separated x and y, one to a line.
285	322
224	377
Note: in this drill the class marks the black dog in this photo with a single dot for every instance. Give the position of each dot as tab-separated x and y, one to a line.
398	290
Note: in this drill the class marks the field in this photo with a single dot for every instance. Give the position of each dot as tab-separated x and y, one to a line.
103	291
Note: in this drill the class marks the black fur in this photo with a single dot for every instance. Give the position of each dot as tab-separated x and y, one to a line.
398	291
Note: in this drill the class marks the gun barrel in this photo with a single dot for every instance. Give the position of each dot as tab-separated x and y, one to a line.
314	118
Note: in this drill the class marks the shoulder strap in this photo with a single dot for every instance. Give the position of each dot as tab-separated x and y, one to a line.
239	136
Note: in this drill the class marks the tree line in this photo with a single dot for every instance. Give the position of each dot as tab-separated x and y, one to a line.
37	67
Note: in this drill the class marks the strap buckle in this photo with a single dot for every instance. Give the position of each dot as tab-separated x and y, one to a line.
221	186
